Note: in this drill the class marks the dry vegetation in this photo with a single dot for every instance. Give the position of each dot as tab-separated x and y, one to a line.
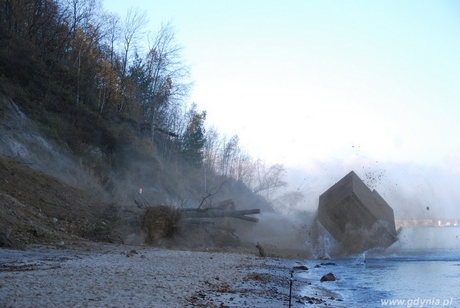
160	222
38	208
77	102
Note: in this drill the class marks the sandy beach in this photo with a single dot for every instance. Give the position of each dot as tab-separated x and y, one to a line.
99	275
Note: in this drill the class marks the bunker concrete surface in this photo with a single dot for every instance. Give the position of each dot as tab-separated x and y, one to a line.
358	218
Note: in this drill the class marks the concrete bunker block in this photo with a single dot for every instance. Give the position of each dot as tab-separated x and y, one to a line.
357	218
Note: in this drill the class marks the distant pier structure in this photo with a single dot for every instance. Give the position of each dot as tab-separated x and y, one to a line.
357	218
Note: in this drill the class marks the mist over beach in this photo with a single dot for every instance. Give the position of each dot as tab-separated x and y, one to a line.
229	153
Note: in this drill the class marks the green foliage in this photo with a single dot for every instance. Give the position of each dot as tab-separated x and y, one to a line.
193	140
54	126
13	90
58	67
122	115
133	147
94	130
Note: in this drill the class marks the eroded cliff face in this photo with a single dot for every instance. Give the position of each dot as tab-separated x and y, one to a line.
40	201
22	140
25	142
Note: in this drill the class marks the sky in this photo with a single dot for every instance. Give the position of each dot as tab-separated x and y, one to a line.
327	86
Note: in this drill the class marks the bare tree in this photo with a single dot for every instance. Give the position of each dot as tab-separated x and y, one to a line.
167	77
211	149
269	180
85	30
81	13
229	151
287	201
244	168
113	35
107	77
133	26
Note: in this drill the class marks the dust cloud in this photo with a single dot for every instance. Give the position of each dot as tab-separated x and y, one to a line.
280	232
426	195
413	191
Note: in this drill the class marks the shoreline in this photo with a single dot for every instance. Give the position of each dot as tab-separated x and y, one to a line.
101	275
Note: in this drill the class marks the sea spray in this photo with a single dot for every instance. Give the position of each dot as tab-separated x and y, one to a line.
320	244
361	259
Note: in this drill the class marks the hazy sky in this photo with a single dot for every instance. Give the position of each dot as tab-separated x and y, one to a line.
303	82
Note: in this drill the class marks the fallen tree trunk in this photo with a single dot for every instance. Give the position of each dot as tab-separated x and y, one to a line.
210	225
214	212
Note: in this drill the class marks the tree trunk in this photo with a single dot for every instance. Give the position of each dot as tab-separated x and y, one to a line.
215	212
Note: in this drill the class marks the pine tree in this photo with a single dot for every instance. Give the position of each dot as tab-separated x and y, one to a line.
193	140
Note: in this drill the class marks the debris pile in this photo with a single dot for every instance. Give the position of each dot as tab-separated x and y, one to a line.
207	225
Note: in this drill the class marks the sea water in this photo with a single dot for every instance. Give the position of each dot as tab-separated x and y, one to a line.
421	270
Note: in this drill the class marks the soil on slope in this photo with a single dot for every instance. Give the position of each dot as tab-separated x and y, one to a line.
37	208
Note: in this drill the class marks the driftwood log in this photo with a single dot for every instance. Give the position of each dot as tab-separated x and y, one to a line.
216	212
228	205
